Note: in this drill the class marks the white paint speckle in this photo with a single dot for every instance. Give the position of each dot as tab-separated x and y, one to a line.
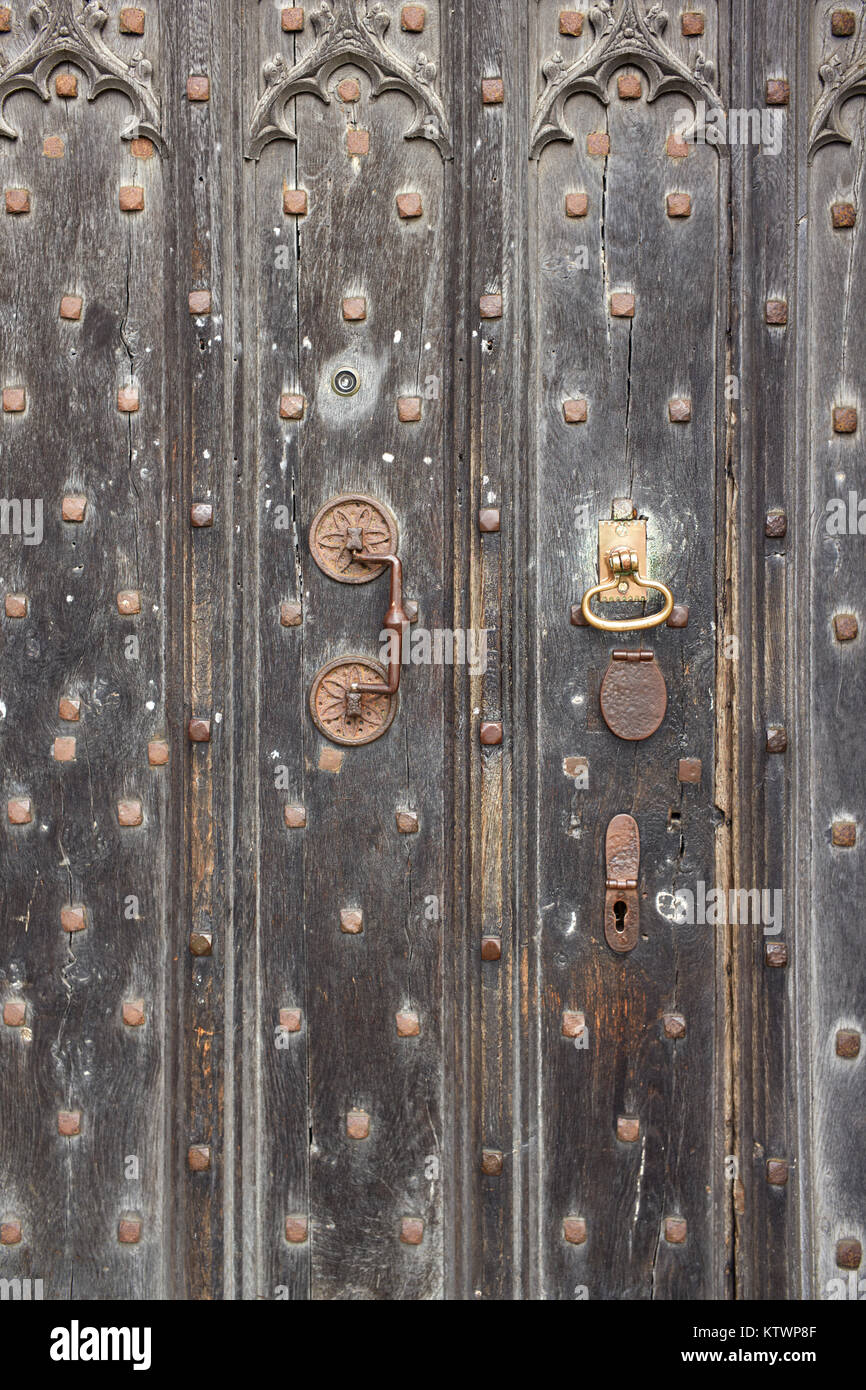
387	458
150	704
398	336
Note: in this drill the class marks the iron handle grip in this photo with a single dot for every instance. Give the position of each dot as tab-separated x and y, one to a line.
394	622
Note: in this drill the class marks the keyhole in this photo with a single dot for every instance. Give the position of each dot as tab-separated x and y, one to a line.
619	911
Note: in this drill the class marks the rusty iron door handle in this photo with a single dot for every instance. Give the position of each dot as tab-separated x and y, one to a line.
394	622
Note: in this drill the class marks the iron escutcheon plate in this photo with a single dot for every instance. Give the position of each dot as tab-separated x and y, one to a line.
329	535
622	858
633	695
330	704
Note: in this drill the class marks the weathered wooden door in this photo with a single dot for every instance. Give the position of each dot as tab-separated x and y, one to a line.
315	991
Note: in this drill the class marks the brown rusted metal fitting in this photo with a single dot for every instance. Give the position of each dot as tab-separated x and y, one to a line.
675	1230
14	399
128	399
66	85
198	730
142	148
292	19
844	215
14	1013
73	917
71	306
290	1020
10	1231
676	147
679	616
133	1013
296	1229
408	1023
157	752
131	198
408	409
628	87
689	770
411	1230
17	200
844	419
349	703
621	910
129	813
19	810
777	1172
679	410
128	602
776	311
491	1163
844	834
131	21
349	90
775	954
777	739
679	205
488	520
622	305
294	201
843	23
409	205
295	817
198	1158
129	1230
628	1129
574	1230
576	204
490	733
407	822
201	943
633	695
68	1123
63	750
598	142
354	308
577	618
198	87
848	1044
692	23
573	1023
357	142
412	18
491	948
674	1026
571	23
492	91
776	523
849	1253
490	306
575	412
201	514
292	406
358	1124
778	91
291	614
199	302
351	921
73	507
846	627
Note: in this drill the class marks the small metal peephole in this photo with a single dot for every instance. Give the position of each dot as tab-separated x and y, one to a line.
345	381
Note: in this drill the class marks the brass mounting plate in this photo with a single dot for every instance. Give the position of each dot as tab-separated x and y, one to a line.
611	534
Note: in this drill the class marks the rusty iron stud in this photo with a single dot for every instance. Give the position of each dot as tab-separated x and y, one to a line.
358	142
199	302
17	200
412	18
571	23
71	306
490	306
575	412
198	87
53	147
775	954
157	752
5	19
844	215
358	1124
488	520
131	198
292	19
68	1123
622	305
10	1231
679	205
676	146
491	1163
291	613
411	1230
776	311
355	308
63	750
292	406
844	834
133	1012
128	602
598	142
692	24
843	23
129	813
408	1023
409	205
674	1026
73	917
19	810
576	204
628	1129
777	1172
849	1253
492	91
778	92
679	616
777	739
198	1158
574	1230
201	943
577	618
408	409
407	822
573	1023
14	1013
675	1230
491	947
848	1044
201	514
776	524
198	730
129	1230
679	410
131	21
349	90
14	399
351	921
290	1020
689	770
490	733
295	817
846	626
628	87
844	419
142	148
295	202
128	399
296	1229
73	507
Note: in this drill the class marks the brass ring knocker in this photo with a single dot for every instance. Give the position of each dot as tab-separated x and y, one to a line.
623	561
